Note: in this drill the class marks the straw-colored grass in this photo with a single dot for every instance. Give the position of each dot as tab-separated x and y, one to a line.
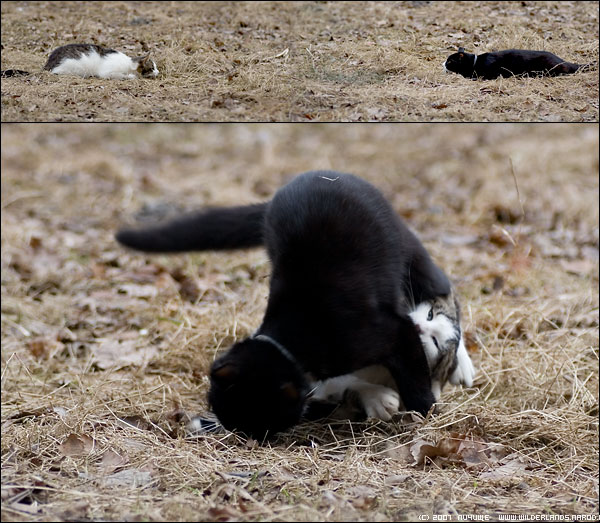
300	61
93	334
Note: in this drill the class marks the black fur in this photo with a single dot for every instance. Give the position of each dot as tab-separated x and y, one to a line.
8	73
210	229
345	272
512	62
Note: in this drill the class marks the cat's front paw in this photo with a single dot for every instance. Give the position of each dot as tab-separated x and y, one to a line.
379	402
465	371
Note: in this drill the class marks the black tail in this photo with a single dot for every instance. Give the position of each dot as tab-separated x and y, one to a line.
210	229
7	73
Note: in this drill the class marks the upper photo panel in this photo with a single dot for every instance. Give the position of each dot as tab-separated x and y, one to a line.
299	61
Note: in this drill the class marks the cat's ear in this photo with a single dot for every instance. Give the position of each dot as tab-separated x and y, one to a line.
225	373
290	391
143	58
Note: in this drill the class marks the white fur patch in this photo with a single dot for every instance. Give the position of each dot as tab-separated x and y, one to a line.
113	65
154	69
374	385
465	371
440	328
436	389
379	402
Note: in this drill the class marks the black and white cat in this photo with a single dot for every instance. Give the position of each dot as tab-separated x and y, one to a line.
346	275
94	60
512	62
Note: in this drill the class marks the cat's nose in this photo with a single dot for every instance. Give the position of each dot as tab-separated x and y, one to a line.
418	327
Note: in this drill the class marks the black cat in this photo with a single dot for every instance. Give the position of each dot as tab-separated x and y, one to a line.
513	62
346	273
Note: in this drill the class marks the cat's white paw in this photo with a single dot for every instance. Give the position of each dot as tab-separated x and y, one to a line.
465	371
378	401
436	389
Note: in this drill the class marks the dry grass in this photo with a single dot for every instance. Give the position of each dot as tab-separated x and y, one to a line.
92	334
300	61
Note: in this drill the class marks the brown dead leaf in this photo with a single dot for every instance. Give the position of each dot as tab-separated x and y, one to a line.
43	348
35	242
511	469
188	287
458	449
38	348
422	450
111	461
401	454
471	451
76	445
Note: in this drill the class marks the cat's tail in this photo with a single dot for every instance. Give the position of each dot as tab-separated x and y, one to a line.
7	73
587	67
219	228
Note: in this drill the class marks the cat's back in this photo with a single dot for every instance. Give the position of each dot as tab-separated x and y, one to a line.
330	203
330	194
88	60
75	52
522	61
326	223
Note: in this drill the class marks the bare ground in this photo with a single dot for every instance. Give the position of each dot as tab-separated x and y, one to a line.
299	61
105	352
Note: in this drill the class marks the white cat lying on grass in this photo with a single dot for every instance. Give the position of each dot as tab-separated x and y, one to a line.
94	60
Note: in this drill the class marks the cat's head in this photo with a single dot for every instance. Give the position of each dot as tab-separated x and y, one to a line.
438	324
460	62
146	66
256	390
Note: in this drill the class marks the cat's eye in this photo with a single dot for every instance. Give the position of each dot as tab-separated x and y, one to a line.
430	315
